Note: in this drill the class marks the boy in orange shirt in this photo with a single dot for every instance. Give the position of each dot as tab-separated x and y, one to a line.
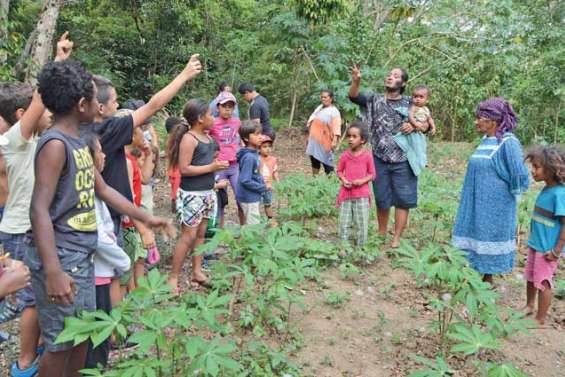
269	171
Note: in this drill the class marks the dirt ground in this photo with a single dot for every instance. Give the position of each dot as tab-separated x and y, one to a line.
386	319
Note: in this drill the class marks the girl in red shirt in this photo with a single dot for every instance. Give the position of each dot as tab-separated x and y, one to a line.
355	170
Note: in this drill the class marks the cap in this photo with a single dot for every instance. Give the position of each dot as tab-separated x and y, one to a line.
266	139
225	97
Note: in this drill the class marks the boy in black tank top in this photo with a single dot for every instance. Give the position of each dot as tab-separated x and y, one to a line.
62	214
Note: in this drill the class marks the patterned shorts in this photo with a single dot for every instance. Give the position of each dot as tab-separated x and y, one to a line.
194	206
133	246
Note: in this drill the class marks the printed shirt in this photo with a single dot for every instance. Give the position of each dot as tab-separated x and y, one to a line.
19	155
355	167
226	134
72	209
268	167
546	222
385	118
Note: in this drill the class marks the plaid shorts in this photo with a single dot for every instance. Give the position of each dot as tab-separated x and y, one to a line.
80	267
194	206
356	212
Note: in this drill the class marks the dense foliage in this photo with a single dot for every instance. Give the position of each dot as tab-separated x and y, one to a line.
465	51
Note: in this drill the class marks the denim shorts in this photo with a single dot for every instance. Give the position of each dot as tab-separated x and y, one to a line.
16	245
267	198
80	267
395	185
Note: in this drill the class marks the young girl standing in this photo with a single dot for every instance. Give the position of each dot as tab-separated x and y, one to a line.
193	152
547	234
355	170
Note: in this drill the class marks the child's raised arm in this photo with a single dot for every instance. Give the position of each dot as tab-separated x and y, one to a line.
49	164
165	95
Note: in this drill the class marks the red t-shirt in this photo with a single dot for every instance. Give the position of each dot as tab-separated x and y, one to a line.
174	181
127	223
355	167
226	134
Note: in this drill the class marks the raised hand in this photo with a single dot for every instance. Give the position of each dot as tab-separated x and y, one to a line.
193	67
64	47
356	73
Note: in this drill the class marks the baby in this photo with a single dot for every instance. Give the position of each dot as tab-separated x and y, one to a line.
419	115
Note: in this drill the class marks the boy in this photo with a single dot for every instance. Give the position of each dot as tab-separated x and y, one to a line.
250	184
116	133
63	215
270	173
24	112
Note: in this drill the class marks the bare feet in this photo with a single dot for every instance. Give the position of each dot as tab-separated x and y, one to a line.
395	244
174	283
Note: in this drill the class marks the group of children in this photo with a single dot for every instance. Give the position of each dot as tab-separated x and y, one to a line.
79	210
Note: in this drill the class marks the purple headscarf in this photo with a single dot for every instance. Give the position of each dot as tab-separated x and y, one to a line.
499	110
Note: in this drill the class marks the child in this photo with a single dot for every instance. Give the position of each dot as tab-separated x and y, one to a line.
109	258
419	115
355	170
547	234
63	216
415	143
250	185
137	238
28	118
225	132
193	152
172	171
270	173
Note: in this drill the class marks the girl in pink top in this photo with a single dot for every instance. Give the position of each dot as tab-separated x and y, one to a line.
226	133
355	170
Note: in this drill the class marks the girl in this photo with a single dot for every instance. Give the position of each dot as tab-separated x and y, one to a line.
547	234
355	170
193	152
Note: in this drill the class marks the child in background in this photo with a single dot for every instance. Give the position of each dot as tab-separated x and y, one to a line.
547	233
109	258
225	132
355	170
250	185
193	152
172	171
270	173
63	216
415	144
137	238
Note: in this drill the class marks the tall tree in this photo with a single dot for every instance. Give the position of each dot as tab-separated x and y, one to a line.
39	45
4	9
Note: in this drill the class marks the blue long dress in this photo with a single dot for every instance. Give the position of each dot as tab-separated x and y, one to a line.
485	226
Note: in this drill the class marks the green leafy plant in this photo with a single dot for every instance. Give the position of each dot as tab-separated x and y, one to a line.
336	299
436	368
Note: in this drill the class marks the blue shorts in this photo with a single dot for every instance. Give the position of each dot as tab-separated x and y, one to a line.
267	198
16	245
395	185
80	267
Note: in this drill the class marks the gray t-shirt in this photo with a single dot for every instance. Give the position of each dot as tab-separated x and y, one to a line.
72	209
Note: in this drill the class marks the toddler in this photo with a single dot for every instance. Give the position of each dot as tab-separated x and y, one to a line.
355	170
547	233
270	173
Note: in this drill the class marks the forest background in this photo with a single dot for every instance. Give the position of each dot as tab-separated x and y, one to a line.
465	51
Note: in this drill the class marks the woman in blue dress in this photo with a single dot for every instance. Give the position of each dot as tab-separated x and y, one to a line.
485	226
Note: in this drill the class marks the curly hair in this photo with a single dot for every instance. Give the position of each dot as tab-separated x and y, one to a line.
362	127
63	84
552	158
14	96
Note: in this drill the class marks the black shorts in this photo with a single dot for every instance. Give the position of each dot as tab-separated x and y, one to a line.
316	164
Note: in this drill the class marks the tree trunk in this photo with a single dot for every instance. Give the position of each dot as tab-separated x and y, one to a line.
4	9
39	45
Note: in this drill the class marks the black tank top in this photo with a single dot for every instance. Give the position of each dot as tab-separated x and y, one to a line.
203	155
